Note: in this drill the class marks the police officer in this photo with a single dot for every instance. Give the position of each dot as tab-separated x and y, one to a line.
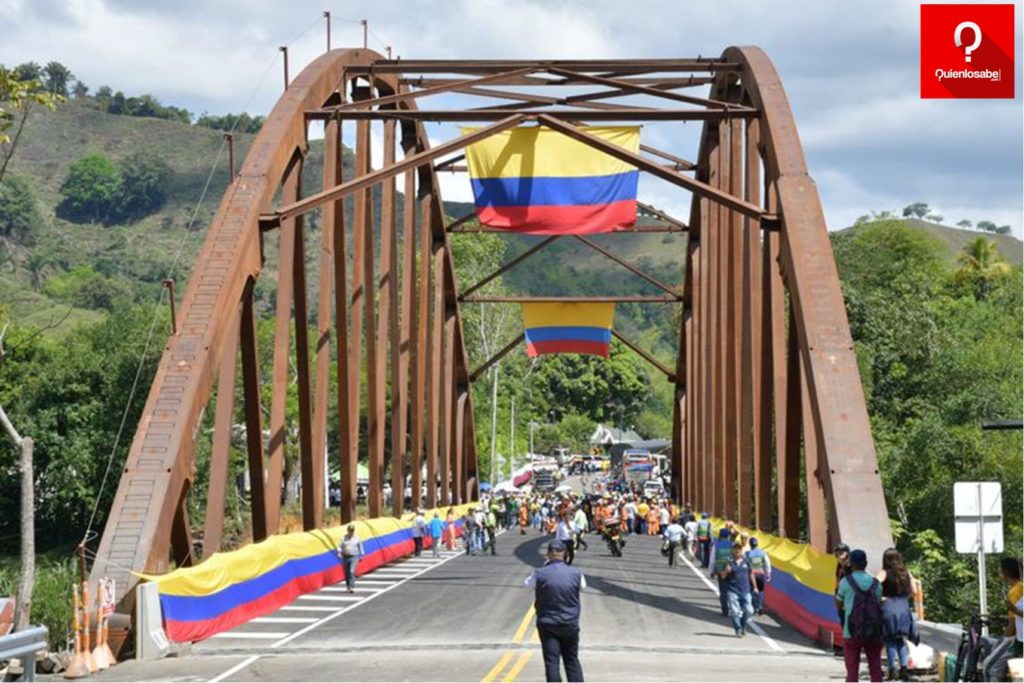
761	568
557	589
721	553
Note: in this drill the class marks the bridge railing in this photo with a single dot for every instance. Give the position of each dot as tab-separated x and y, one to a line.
233	587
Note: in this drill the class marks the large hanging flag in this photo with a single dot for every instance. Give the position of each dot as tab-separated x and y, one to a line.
537	180
568	328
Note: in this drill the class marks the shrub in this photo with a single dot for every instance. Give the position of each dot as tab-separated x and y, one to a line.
89	190
19	214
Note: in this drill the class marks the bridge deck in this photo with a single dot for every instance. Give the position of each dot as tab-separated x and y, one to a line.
458	618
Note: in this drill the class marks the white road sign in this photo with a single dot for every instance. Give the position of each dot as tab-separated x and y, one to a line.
978	516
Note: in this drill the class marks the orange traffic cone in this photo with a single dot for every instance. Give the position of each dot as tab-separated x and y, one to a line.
102	654
78	668
86	650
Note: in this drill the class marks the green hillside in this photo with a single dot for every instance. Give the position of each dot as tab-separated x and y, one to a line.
955	239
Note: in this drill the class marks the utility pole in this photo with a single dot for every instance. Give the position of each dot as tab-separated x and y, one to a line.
512	438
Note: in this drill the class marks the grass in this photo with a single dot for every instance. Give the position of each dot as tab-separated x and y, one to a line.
56	572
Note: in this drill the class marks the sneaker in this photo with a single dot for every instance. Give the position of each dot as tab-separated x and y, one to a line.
739	633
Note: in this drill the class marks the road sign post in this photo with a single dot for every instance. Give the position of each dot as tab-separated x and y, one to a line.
978	512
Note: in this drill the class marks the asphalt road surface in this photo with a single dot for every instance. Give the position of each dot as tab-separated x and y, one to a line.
469	619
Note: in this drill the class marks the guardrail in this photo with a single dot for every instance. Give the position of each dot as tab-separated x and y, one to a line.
24	645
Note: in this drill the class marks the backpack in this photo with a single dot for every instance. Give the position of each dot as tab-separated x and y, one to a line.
865	621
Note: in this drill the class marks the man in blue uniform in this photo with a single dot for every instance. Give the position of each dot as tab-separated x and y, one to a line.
761	568
721	553
557	589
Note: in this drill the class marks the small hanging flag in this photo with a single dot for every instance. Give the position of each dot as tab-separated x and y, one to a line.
568	328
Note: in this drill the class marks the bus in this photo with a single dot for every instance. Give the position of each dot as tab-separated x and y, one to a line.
637	466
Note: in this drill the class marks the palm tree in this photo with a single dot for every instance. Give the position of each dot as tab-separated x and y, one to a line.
981	264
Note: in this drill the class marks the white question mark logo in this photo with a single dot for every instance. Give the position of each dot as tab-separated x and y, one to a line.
959	43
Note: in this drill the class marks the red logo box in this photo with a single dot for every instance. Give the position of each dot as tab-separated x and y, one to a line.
967	51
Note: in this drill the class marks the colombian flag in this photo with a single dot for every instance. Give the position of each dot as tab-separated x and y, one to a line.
568	328
536	180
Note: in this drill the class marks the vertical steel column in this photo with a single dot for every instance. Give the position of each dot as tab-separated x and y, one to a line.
405	351
334	220
789	474
322	348
725	467
774	341
253	416
817	524
374	353
709	245
435	347
732	224
447	412
458	446
419	349
220	454
282	345
754	399
360	217
310	463
388	324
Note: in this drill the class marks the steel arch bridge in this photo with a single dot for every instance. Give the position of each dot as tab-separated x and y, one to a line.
770	426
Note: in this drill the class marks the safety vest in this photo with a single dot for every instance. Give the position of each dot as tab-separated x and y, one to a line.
723	553
758	561
703	529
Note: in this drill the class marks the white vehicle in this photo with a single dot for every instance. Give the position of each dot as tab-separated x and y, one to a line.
653	489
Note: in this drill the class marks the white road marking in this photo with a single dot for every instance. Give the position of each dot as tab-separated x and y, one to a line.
301	608
754	626
288	638
330	598
268	635
282	620
339	589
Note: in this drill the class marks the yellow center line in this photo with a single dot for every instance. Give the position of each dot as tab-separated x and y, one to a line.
518	666
507	656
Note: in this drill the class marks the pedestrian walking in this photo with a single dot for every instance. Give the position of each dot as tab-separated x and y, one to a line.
740	588
436	532
690	528
761	568
491	526
673	534
566	533
704	539
842	554
897	618
450	530
349	551
557	589
860	597
479	541
580	520
524	518
419	527
721	554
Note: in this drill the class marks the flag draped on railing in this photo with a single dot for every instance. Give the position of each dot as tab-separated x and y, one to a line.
568	328
537	180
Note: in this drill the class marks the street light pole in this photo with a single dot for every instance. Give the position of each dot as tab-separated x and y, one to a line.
512	438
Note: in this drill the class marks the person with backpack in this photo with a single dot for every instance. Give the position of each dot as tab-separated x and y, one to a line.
704	540
761	570
859	596
897	616
720	556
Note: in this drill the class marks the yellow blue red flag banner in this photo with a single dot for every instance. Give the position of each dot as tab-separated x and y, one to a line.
568	328
537	180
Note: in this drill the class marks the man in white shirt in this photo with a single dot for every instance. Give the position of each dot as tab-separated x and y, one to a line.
630	509
691	535
419	526
674	534
580	520
565	532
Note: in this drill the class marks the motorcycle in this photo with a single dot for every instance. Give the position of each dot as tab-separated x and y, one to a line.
614	539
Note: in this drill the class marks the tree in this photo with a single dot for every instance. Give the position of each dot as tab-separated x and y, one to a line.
143	187
17	96
29	71
966	224
916	210
56	77
1003	230
89	189
987	226
980	265
81	90
19	213
935	217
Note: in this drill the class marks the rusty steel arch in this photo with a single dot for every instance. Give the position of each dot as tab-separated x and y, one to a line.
766	380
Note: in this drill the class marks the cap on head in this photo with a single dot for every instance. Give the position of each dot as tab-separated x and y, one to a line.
858	559
753	542
840	548
556	547
351	527
723	533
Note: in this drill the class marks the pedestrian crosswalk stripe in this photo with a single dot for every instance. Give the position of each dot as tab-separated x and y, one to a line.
265	635
303	608
282	620
330	598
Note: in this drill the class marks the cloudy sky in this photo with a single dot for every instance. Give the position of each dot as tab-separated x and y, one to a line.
850	69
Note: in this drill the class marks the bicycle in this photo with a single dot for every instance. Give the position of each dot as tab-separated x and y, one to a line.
974	648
